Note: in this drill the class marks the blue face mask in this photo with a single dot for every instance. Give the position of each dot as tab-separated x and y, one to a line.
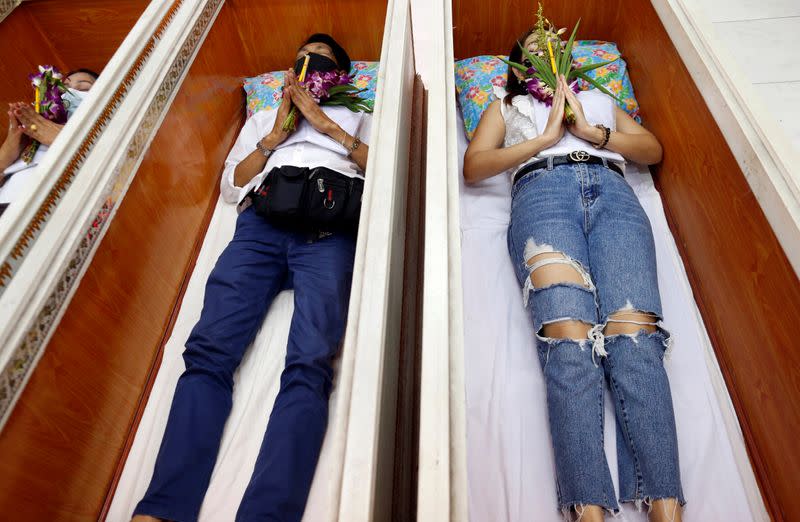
72	99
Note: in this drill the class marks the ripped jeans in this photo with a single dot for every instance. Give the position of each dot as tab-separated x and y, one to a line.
587	217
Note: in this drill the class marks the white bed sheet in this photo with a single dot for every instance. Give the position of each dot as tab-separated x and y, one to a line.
256	385
510	461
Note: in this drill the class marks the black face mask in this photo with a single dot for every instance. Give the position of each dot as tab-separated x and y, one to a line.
316	62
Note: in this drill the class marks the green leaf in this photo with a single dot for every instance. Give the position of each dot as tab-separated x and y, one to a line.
590	67
341	88
598	86
568	50
543	69
515	65
354	104
558	54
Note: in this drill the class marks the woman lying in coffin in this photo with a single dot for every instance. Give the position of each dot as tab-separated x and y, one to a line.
584	254
265	256
24	124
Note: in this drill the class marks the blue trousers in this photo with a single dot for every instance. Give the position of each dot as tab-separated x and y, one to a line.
260	261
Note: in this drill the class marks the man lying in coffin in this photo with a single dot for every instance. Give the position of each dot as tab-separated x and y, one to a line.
299	194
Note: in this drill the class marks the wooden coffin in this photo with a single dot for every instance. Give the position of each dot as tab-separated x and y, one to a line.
65	442
729	221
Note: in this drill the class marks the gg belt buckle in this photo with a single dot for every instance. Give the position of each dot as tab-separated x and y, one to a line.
579	156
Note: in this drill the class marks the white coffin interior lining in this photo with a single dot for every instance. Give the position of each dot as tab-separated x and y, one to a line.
510	463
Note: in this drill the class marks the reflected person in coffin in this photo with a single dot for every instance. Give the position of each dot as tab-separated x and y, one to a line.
296	189
24	125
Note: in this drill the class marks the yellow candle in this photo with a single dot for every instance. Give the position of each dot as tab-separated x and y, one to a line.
552	57
305	68
38	100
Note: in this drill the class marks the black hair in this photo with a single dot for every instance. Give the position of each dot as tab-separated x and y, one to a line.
85	71
514	86
342	58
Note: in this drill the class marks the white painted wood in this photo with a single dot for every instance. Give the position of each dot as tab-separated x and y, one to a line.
734	10
767	159
761	36
373	334
50	255
783	101
766	50
442	487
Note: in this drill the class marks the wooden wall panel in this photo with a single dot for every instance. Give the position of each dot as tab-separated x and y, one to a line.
86	33
748	293
267	49
68	436
69	35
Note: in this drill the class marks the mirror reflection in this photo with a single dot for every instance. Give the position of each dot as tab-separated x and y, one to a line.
59	50
32	128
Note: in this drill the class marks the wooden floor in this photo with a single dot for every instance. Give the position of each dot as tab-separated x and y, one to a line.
764	36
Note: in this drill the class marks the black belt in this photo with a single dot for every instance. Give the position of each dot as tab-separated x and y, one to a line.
577	156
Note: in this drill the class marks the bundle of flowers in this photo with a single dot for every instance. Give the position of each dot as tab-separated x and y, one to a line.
333	88
549	58
48	87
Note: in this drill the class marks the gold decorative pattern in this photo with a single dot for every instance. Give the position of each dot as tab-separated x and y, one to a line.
65	178
6	6
28	351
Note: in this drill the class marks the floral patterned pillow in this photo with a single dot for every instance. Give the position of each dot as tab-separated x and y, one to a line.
264	91
477	77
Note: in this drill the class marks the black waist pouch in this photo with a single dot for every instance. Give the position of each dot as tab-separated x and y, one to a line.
313	200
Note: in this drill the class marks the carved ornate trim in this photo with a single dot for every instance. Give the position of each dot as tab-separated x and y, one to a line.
65	178
27	353
6	6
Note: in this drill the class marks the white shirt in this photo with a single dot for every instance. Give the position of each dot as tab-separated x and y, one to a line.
305	147
527	117
21	174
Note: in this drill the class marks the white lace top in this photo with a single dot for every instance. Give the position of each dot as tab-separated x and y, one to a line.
526	116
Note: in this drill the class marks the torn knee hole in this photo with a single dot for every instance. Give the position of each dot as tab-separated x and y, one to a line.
631	322
553	268
566	329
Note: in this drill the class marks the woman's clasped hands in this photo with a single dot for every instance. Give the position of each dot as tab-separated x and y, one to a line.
15	141
555	128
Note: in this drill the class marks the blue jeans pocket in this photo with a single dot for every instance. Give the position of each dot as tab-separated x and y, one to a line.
529	178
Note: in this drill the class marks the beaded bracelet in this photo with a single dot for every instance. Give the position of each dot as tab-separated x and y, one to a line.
606	136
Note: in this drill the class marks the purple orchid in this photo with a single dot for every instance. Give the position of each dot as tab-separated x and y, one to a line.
319	84
52	106
49	86
333	88
543	92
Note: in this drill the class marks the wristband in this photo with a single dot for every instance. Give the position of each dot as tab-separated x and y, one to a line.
264	150
354	146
